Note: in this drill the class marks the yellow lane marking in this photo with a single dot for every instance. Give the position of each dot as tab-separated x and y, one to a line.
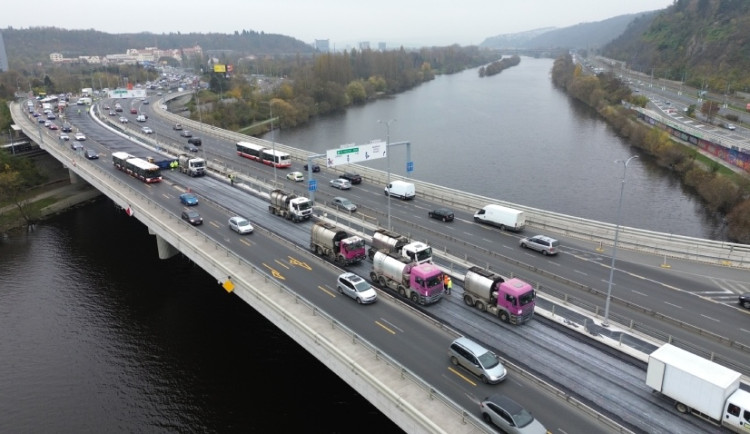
274	272
247	243
324	289
450	368
299	263
383	326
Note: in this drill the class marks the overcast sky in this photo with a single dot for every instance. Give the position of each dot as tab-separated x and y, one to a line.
342	22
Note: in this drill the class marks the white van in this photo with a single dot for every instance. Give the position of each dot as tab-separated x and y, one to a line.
502	217
401	189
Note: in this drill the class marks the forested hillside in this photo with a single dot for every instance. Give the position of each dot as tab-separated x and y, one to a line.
704	42
30	46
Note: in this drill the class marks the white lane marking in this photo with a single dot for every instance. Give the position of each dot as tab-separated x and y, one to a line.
708	317
673	305
639	293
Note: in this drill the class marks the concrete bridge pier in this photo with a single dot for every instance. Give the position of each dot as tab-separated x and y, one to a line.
74	178
165	249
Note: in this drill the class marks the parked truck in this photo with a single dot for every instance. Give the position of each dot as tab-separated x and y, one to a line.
395	243
165	163
503	217
421	283
290	206
511	300
699	386
337	245
191	165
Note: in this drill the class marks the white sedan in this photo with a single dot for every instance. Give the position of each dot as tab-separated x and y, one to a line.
80	137
240	225
295	176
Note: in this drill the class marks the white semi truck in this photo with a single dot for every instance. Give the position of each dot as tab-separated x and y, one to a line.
290	206
191	165
699	386
416	251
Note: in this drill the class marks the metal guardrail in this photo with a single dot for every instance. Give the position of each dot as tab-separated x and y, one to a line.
641	240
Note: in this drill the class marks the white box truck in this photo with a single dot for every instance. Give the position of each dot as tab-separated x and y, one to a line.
503	217
699	386
401	189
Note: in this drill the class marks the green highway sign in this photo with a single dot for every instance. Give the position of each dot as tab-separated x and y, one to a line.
347	151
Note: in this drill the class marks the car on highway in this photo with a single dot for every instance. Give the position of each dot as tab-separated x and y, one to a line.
133	111
509	416
240	225
343	203
91	154
112	113
295	176
357	288
540	243
443	214
728	126
340	183
192	217
186	133
47	123
188	199
75	146
476	359
123	120
52	126
147	130
744	300
315	168
177	127
354	178
195	141
64	137
80	137
190	148
66	128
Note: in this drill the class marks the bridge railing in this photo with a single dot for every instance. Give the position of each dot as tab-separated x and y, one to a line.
600	233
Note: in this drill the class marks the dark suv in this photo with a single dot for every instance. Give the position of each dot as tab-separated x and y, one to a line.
195	141
354	178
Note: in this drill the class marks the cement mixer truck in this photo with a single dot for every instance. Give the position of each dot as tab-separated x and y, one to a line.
421	283
290	206
332	242
511	300
395	243
192	166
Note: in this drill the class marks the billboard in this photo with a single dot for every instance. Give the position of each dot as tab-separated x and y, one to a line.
127	93
349	154
220	67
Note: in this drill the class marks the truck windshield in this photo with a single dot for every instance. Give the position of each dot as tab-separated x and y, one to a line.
304	206
353	245
424	254
434	281
527	298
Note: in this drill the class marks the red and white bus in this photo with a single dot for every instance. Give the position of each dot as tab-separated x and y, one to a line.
136	167
263	154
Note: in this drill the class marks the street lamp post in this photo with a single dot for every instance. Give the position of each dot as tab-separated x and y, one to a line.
273	142
605	323
388	158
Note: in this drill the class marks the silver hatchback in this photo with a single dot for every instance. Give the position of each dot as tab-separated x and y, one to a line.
476	359
357	288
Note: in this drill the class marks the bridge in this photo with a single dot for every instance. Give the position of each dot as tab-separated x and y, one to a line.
402	395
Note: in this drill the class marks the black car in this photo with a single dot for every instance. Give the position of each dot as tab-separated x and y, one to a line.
66	128
744	300
91	154
315	168
190	148
195	141
192	217
443	214
354	178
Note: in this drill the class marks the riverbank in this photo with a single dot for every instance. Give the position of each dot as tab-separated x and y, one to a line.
47	201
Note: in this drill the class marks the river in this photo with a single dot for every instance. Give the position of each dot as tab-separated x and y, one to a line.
515	137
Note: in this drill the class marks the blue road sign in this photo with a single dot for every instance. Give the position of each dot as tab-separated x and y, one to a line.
409	166
312	185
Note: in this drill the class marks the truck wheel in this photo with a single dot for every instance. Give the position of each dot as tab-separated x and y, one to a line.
468	300
503	315
454	360
480	306
340	259
682	408
373	277
414	297
402	291
382	282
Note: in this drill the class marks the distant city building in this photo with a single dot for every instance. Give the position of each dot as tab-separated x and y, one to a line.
323	45
381	46
364	45
132	56
3	56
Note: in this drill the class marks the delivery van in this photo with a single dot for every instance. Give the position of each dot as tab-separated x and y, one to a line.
400	189
503	217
